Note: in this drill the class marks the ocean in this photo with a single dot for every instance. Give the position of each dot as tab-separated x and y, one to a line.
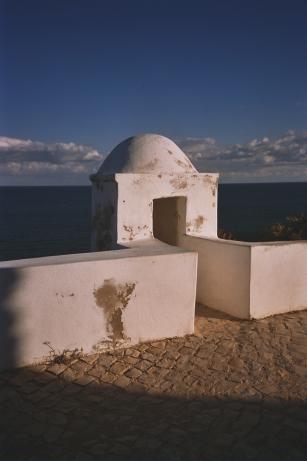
43	221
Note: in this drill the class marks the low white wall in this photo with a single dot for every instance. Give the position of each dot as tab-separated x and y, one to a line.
94	300
223	280
278	278
250	280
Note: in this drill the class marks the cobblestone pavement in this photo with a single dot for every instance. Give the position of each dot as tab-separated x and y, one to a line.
234	390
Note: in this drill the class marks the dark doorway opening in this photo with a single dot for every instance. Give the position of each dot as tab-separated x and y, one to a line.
169	219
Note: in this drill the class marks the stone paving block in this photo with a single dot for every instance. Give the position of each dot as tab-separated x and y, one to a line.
30	387
105	360
157	371
52	434
90	359
133	373
43	378
108	377
143	365
130	352
56	368
132	360
69	374
84	380
119	368
80	366
40	395
148	356
166	362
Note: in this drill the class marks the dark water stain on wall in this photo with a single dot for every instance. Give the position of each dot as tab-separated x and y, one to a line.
101	222
113	298
97	181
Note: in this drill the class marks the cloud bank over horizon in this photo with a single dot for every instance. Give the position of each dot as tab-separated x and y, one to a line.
38	163
27	162
258	160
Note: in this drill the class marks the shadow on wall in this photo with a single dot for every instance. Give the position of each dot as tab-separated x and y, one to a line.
9	279
43	417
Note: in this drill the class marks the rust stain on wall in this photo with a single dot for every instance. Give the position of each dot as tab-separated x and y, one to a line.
133	232
138	181
179	183
199	221
130	231
113	298
184	164
208	179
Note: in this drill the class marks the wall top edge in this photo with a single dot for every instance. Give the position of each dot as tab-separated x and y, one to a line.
99	256
112	177
251	244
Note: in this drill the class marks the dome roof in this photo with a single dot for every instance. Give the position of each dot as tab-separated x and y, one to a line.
146	153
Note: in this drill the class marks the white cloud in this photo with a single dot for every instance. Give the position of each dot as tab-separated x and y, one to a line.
27	158
258	159
35	162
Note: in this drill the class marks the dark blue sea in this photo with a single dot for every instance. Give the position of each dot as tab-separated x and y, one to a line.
43	221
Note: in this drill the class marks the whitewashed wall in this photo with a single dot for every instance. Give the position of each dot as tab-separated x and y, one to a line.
133	195
250	280
223	278
93	301
278	278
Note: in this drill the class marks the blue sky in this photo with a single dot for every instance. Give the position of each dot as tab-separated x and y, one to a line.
87	74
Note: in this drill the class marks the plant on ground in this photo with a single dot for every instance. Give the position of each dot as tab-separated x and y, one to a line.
65	357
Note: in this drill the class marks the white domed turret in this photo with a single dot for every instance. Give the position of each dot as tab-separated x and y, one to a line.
147	153
148	188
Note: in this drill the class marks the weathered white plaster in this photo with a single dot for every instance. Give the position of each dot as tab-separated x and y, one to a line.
94	301
250	280
137	172
127	214
223	278
147	153
146	289
135	203
278	278
246	280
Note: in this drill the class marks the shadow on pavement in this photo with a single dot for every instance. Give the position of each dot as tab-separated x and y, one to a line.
9	279
47	417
